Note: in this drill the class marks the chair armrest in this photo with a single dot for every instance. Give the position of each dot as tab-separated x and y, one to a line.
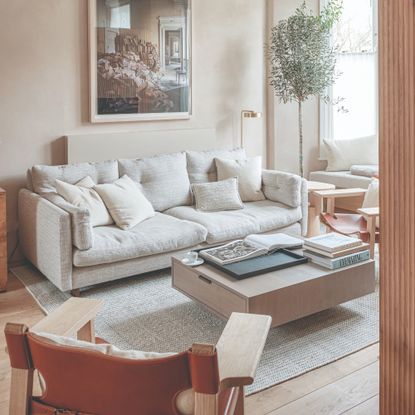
68	319
340	193
240	348
369	212
282	187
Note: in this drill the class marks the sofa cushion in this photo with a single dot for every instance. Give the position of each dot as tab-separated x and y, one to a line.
341	179
44	177
342	154
125	202
161	233
249	174
217	196
84	196
201	164
257	217
164	179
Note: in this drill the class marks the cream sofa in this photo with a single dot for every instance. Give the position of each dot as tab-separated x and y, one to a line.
60	241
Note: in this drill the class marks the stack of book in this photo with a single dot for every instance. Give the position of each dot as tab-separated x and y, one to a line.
333	250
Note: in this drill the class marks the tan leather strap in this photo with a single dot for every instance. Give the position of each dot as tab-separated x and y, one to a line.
39	408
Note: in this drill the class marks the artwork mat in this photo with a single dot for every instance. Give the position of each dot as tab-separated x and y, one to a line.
93	78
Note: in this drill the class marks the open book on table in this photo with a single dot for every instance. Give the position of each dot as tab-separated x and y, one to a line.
250	247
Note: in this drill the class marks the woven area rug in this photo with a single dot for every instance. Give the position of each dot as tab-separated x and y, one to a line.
146	313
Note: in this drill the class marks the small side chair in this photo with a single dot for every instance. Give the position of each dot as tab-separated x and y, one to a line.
363	224
204	380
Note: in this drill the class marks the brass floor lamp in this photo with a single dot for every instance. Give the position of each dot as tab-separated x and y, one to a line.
247	114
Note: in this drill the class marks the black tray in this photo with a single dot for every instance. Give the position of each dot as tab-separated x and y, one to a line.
280	259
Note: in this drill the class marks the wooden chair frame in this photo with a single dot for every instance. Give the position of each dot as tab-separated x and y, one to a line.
239	350
370	214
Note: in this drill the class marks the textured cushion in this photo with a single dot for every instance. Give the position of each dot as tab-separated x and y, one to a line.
249	174
125	202
164	179
201	164
341	179
217	196
161	233
368	170
103	348
43	177
342	154
257	217
81	224
82	195
282	187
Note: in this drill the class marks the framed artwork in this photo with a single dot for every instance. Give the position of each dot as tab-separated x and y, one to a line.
140	60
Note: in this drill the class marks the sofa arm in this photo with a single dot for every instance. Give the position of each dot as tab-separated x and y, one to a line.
82	236
282	187
45	237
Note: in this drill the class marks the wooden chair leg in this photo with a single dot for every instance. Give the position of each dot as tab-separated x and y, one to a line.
240	406
371	227
87	332
20	391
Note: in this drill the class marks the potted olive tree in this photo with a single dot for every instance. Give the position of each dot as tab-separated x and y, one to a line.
303	59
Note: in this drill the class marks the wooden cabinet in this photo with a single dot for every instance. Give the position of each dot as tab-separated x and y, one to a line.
3	241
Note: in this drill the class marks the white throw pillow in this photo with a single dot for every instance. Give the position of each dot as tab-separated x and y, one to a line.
83	195
217	196
371	199
342	154
125	202
249	174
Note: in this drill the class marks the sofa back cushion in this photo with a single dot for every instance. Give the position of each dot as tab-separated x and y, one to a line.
44	177
163	179
201	164
342	154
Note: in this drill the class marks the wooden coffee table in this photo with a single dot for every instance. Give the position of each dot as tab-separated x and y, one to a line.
285	295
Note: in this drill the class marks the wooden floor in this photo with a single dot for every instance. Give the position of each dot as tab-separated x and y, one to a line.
348	386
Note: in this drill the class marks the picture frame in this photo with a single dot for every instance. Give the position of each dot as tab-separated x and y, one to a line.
140	60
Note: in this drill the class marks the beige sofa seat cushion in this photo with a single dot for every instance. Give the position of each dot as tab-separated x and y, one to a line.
163	179
44	177
161	233
201	165
256	217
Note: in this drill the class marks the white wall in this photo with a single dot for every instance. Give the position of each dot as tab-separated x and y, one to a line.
283	128
44	81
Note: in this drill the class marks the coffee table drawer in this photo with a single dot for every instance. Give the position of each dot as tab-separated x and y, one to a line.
206	291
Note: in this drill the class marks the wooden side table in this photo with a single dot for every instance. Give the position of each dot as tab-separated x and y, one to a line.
315	207
3	241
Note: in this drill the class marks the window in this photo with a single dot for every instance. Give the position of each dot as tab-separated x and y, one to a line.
353	112
120	17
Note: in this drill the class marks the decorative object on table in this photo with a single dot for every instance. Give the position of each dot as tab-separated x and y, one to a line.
364	224
192	259
260	264
250	247
335	251
3	241
140	60
247	114
303	60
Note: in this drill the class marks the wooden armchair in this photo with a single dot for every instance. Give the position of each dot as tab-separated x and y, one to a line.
362	224
205	380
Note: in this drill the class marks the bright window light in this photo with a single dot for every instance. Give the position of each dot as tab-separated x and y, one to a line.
355	113
120	17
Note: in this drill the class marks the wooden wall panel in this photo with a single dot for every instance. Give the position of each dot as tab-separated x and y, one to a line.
397	144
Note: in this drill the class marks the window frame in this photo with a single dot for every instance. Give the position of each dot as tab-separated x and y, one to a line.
326	126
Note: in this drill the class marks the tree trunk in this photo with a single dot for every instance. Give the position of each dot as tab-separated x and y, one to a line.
300	127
